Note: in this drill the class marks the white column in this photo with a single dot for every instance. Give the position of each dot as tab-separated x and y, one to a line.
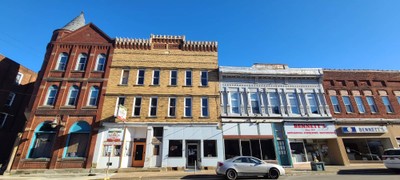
269	108
262	106
241	94
299	94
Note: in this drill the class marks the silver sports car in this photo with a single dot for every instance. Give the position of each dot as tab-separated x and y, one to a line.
248	166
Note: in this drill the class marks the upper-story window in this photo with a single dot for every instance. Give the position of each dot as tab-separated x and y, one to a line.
294	103
312	102
172	107
140	77
255	103
274	102
93	96
101	62
3	119
188	78
204	107
81	63
188	107
153	106
62	61
386	102
335	104
347	104
73	96
235	102
120	102
137	106
371	104
124	77
174	78
51	95
398	99
360	104
10	99
156	77
18	78
204	78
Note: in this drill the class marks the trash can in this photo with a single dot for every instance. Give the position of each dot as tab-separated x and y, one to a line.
317	166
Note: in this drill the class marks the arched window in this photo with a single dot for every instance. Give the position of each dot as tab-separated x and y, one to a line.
62	61
101	62
51	95
78	140
42	141
81	64
72	95
93	96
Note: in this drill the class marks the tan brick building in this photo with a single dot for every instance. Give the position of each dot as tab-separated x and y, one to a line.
169	87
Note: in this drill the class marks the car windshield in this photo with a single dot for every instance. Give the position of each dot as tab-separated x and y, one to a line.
392	152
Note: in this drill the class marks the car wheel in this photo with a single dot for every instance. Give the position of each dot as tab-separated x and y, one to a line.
273	173
231	174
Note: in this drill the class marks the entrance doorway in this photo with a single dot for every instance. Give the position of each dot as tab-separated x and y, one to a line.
192	154
138	155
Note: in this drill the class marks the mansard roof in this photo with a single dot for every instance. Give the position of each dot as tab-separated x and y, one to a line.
76	23
273	70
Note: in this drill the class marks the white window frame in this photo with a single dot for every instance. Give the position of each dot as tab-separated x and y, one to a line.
100	56
333	105
170	78
48	94
296	100
169	106
190	106
18	81
201	78
348	106
11	100
191	78
387	104
117	104
359	105
60	56
90	95
138	77
151	106
206	107
3	121
257	100
134	106
122	77
311	97
69	95
238	100
277	100
78	62
372	105
154	77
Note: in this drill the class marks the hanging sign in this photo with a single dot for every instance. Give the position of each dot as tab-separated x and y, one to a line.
320	130
122	111
364	129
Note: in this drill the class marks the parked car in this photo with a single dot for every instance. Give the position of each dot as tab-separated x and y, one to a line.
391	158
244	166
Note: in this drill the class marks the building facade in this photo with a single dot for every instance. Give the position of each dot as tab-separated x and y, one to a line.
161	105
65	111
276	113
365	106
16	87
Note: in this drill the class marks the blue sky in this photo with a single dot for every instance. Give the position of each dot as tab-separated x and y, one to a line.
340	34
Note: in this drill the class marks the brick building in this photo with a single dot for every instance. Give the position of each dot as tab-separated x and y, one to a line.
65	113
365	106
16	87
168	89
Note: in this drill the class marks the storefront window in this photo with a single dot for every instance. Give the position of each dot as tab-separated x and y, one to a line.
366	149
175	148
210	148
262	149
309	150
232	148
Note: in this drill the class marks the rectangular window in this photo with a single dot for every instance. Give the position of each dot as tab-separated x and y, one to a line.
77	144
235	102
335	104
172	107
174	78
294	103
312	102
188	78
188	107
360	104
158	131
204	107
347	104
386	102
210	148
10	99
124	77
371	104
137	106
274	102
153	106
398	99
3	119
107	150
156	77
156	150
120	101
18	78
175	148
204	78
140	77
255	104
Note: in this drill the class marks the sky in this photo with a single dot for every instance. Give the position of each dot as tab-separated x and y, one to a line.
336	34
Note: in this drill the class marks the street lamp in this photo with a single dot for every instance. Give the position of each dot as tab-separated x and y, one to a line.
55	122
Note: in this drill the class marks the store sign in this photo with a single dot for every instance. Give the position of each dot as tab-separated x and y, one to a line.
114	135
310	130
364	129
122	111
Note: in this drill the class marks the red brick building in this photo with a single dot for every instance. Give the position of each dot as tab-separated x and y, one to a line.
365	106
62	127
16	86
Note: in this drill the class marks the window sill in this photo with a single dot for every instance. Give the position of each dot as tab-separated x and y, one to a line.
73	159
151	117
89	107
97	71
203	86
172	86
56	70
170	117
204	117
138	85
77	71
187	117
136	117
37	159
45	107
67	107
154	85
122	85
187	86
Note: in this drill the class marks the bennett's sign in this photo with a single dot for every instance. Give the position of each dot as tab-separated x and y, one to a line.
310	130
364	129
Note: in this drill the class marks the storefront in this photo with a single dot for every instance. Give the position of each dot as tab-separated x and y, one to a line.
249	139
312	142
